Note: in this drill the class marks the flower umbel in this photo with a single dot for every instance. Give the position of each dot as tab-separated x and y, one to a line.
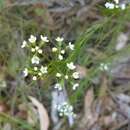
65	109
52	67
109	5
115	4
104	67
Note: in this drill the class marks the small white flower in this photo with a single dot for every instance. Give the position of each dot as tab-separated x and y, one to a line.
44	38
33	49
109	5
43	69
36	48
35	68
35	60
71	46
58	75
106	67
34	78
58	86
103	67
25	72
60	57
60	114
40	51
62	51
32	39
54	49
24	44
71	66
75	75
59	39
40	74
66	77
75	86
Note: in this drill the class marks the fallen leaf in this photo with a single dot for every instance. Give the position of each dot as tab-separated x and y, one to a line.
43	115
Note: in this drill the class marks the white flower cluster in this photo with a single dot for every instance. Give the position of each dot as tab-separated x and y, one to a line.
60	52
65	109
71	66
115	4
72	75
103	67
36	70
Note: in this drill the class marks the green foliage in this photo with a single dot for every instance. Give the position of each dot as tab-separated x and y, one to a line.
97	45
